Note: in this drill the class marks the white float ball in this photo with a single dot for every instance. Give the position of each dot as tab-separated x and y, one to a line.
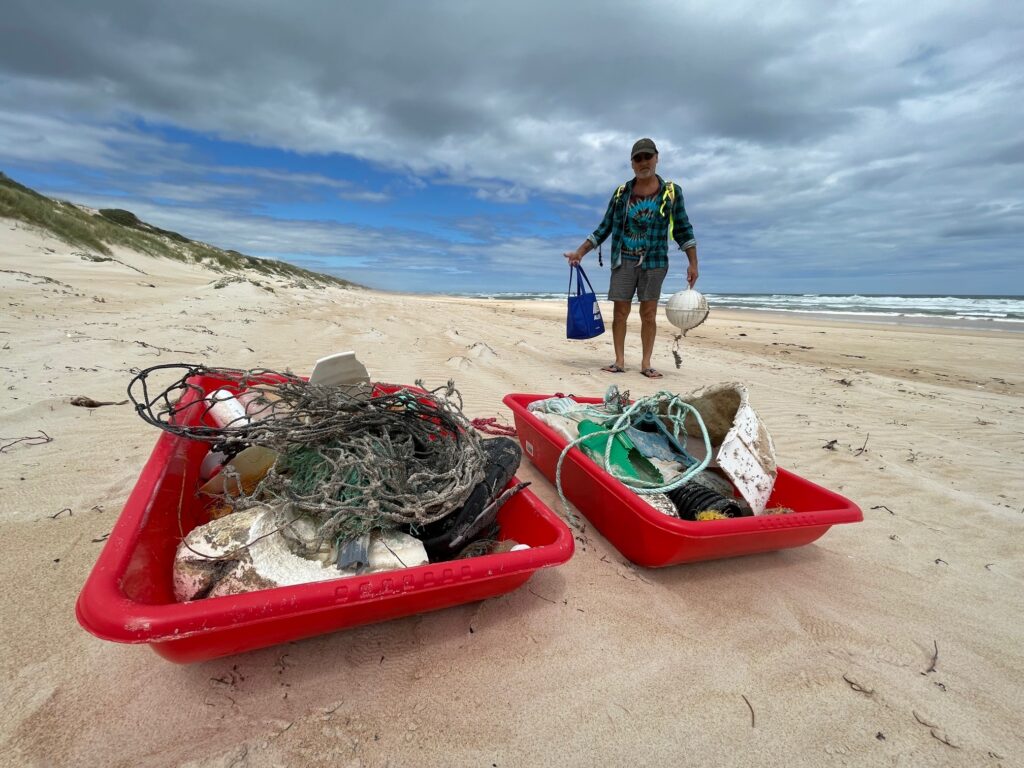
687	309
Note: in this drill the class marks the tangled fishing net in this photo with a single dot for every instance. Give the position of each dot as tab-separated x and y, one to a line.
351	459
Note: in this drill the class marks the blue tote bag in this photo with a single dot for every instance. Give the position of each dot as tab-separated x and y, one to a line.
584	319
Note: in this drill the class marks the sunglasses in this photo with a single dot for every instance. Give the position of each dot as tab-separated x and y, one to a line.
642	156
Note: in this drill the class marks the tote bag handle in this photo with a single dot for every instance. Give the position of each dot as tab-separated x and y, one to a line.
575	270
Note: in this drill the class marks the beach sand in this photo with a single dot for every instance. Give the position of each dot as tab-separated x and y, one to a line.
895	641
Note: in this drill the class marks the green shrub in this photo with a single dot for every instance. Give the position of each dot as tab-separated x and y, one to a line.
120	216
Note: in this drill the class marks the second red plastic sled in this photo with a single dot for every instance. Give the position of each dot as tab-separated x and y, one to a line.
650	538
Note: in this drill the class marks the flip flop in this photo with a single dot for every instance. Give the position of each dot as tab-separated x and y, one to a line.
651	373
613	368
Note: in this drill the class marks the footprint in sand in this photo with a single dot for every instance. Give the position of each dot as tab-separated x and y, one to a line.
452	334
462	363
482	352
526	347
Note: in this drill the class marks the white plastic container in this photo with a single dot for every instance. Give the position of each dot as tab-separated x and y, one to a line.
227	410
339	370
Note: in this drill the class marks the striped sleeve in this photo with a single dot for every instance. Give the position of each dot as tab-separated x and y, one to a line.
682	231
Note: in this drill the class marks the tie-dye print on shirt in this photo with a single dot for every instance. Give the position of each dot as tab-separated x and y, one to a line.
639	226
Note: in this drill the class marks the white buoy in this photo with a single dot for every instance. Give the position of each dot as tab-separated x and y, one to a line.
687	309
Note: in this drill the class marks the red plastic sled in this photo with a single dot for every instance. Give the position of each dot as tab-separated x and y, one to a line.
649	538
129	596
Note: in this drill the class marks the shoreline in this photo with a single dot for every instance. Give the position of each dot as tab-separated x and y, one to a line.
981	327
940	324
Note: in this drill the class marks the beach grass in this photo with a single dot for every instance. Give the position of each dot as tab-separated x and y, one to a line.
97	232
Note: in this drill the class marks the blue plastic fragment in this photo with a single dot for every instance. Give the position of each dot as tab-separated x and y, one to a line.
655	437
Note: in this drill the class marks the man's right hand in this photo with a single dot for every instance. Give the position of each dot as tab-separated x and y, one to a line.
574	257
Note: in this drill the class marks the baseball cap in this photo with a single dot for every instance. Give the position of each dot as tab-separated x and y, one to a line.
643	145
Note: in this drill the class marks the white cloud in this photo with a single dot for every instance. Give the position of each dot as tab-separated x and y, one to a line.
816	134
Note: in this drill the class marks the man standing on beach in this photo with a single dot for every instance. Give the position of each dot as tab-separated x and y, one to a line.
643	214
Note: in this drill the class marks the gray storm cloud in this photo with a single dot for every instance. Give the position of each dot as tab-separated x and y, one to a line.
830	129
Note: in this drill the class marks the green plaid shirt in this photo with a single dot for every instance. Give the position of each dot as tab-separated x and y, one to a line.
655	253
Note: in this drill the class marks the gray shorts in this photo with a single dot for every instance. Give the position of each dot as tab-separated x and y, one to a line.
629	279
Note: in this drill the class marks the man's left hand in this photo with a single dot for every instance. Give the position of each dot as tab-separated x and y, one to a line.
691	274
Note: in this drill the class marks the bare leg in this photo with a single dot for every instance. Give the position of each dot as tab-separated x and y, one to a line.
619	331
648	330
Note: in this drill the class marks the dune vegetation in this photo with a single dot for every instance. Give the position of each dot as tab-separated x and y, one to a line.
97	232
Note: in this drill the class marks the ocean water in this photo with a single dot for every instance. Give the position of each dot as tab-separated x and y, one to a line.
981	311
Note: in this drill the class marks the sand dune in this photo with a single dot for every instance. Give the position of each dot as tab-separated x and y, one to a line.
897	641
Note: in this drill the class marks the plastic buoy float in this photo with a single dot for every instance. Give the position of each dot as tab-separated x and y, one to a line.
687	309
